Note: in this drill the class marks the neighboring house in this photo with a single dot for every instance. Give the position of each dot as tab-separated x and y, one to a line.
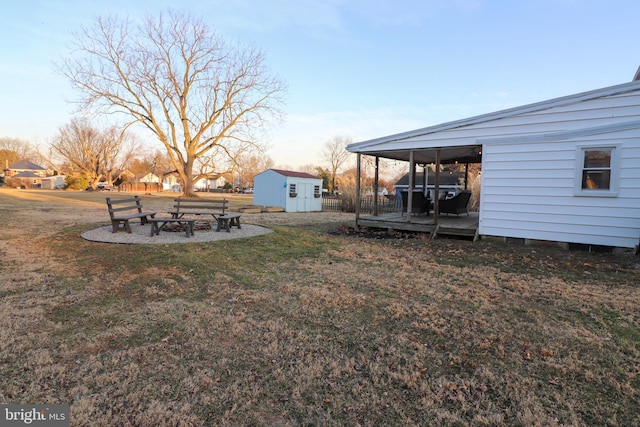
127	181
208	184
170	183
565	170
25	166
292	191
149	178
28	172
148	182
28	179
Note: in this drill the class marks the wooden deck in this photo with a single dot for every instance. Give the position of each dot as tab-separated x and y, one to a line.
448	225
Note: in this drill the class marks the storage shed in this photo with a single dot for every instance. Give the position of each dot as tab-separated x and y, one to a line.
566	169
290	190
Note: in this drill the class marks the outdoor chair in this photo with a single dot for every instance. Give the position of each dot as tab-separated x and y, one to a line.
456	205
419	203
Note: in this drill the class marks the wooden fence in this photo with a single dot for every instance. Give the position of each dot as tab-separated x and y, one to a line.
386	204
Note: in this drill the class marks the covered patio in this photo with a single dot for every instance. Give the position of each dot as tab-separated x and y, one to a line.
434	223
542	165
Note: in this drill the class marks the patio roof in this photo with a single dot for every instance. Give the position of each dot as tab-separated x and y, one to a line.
448	155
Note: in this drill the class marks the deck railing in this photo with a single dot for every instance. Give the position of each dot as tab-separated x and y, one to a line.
386	204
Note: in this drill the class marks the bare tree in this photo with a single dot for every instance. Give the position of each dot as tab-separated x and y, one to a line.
249	166
14	149
335	154
202	97
95	153
139	167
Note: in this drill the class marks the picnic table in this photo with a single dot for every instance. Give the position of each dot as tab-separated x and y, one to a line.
158	223
189	207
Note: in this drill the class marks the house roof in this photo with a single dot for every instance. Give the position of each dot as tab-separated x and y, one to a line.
469	153
25	165
294	174
26	174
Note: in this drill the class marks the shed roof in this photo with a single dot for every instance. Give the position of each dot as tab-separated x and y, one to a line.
294	173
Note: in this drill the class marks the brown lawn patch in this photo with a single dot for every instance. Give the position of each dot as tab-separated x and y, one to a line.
307	328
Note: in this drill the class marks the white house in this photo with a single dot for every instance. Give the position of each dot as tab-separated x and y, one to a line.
206	184
150	178
292	191
170	183
565	170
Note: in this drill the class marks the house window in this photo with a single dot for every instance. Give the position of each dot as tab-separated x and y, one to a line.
597	171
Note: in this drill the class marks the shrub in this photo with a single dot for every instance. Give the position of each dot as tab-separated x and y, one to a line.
76	182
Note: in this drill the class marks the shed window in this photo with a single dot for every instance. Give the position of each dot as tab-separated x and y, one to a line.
292	190
598	171
316	190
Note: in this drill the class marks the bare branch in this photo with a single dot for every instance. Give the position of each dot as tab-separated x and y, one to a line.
181	80
334	152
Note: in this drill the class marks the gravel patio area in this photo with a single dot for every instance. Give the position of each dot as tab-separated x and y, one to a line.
141	235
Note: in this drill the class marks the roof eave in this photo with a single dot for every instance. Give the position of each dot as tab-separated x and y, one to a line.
360	147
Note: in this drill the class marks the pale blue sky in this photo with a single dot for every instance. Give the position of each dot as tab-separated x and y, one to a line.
360	68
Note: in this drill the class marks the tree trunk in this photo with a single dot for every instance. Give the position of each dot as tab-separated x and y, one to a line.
188	179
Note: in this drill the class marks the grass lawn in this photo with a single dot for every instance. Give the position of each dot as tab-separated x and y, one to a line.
303	327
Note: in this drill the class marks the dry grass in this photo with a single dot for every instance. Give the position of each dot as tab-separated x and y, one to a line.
302	328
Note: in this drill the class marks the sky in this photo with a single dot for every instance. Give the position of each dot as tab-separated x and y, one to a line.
360	69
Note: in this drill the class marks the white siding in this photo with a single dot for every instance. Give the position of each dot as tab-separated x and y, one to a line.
269	189
304	200
527	192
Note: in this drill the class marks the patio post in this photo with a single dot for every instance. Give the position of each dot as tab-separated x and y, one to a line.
466	175
412	170
425	180
436	197
375	188
358	161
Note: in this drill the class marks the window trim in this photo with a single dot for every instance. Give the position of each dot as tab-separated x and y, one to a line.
614	167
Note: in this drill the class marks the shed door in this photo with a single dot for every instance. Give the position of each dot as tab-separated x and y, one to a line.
305	192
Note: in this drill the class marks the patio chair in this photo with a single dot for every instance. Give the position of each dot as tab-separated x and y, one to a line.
419	203
456	205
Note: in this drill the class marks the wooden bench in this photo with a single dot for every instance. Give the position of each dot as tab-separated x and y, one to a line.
158	223
213	207
123	210
227	221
